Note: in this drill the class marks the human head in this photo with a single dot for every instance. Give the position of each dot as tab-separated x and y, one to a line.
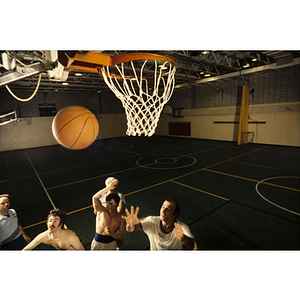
58	213
4	202
113	196
170	210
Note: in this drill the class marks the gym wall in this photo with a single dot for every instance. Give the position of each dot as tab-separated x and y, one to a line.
211	110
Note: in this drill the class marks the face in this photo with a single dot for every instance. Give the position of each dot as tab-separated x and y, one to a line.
111	205
53	223
4	204
167	212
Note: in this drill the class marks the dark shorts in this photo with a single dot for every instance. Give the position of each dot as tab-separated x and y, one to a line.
16	244
103	238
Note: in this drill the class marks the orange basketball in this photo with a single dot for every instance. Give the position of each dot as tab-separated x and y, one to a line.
75	127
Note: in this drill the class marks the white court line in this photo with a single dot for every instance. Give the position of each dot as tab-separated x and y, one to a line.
41	181
283	208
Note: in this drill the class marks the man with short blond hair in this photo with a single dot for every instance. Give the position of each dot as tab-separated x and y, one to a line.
12	235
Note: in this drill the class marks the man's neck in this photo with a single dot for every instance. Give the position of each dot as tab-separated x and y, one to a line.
56	234
4	213
167	227
112	214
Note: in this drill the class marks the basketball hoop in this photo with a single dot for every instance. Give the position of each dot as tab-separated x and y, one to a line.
5	119
144	83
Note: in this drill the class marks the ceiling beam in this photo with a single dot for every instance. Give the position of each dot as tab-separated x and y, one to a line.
273	66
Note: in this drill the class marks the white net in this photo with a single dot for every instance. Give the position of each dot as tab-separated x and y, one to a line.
143	90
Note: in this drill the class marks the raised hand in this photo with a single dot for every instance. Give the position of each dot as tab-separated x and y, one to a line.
132	218
178	232
113	184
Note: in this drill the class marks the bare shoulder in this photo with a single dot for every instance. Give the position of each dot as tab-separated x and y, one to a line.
69	232
42	235
41	238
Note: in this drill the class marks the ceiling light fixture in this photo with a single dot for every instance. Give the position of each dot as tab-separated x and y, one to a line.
207	75
163	67
65	83
78	74
178	86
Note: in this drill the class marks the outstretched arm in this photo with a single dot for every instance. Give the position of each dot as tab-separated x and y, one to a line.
39	239
96	198
132	220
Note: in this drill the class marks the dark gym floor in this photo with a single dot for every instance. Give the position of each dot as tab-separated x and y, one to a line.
232	197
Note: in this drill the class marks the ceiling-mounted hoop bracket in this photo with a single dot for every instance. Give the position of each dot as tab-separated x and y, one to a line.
94	62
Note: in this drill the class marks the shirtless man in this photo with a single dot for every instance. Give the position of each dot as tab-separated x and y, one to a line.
57	236
111	189
122	202
110	225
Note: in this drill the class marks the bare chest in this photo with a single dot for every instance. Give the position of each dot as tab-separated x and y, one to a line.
104	219
60	243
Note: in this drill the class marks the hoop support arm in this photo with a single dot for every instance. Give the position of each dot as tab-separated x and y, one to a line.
91	61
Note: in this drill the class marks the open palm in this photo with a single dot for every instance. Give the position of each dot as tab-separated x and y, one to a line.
132	218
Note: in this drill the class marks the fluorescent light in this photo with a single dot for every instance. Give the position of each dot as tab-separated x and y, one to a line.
78	74
65	83
178	86
163	67
207	75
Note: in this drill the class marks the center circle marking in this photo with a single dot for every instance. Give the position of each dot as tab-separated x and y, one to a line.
165	161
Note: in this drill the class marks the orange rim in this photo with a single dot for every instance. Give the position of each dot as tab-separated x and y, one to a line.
91	61
121	58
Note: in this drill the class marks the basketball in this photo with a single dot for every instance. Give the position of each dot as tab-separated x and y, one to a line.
75	127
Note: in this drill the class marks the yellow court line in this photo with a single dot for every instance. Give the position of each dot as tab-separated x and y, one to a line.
163	182
218	163
280	186
32	225
121	150
69	213
190	187
243	163
148	187
249	179
90	206
91	178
